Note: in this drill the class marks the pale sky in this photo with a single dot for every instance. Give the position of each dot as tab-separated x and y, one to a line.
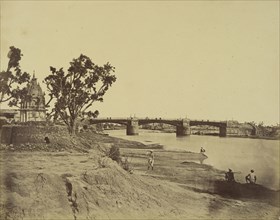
211	60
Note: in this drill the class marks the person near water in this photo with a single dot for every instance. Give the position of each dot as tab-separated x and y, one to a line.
251	177
229	176
202	150
151	159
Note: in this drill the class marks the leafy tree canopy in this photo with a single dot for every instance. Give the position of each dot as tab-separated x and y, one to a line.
12	78
75	91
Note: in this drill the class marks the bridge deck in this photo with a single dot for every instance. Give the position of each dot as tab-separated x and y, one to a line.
142	121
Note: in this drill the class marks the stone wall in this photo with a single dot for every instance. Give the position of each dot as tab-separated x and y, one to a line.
29	133
6	134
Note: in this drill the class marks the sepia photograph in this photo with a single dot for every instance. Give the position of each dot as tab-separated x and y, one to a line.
139	110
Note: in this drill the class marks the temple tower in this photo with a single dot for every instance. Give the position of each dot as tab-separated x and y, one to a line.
33	106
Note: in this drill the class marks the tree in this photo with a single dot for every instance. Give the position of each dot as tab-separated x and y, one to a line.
12	78
75	92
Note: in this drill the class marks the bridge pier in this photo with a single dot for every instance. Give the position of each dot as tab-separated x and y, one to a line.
223	131
183	129
132	127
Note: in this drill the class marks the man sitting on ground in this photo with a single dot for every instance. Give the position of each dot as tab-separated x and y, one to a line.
202	150
230	176
251	177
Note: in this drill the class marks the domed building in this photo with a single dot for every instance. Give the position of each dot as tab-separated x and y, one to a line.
33	106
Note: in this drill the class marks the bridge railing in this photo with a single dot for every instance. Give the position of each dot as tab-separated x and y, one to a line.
208	121
155	118
129	118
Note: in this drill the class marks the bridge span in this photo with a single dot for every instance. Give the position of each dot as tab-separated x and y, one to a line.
183	126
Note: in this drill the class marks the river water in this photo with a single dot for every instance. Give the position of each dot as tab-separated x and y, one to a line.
239	154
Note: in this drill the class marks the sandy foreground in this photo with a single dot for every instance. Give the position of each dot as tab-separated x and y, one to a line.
81	182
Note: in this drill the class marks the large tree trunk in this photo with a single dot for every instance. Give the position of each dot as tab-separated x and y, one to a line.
72	127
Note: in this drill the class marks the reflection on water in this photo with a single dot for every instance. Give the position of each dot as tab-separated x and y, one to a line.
199	158
202	159
239	154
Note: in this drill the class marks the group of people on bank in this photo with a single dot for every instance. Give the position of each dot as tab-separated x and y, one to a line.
250	178
229	176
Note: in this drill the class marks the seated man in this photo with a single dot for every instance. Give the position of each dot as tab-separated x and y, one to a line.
251	177
230	176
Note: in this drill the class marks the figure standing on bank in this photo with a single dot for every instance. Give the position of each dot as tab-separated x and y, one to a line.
151	159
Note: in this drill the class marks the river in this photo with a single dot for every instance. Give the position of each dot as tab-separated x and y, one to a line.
239	154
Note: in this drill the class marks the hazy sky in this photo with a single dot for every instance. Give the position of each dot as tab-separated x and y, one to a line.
204	60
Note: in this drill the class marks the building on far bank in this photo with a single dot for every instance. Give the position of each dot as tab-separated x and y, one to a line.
33	107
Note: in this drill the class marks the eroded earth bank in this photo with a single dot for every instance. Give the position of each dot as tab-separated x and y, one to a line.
73	178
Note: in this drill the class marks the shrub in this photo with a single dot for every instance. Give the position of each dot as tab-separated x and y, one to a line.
102	162
114	153
126	166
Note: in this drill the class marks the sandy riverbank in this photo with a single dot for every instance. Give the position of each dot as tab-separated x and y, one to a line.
80	182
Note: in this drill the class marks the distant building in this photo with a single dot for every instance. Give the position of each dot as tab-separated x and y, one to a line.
33	106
